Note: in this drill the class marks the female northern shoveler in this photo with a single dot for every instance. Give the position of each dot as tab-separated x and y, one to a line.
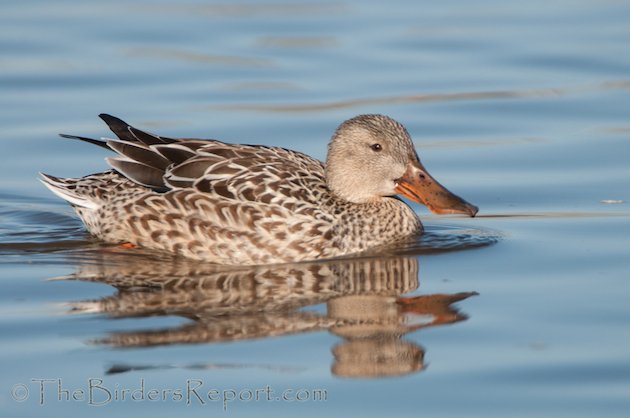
250	204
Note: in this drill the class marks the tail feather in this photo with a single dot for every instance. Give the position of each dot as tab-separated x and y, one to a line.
66	189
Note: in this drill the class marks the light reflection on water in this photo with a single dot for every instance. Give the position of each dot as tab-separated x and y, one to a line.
363	297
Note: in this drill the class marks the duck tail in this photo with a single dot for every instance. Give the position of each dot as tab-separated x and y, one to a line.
67	190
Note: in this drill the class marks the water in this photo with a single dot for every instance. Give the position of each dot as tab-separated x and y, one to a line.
522	109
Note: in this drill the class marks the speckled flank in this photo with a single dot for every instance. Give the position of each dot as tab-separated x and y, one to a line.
227	204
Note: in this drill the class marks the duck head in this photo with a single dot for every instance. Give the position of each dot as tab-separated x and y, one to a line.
372	156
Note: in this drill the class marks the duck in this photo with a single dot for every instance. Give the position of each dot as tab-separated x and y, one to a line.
238	204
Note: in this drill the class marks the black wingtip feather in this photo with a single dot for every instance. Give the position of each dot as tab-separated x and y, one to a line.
127	132
118	127
100	143
109	119
145	137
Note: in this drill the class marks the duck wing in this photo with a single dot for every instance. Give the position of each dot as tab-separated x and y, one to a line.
261	174
255	173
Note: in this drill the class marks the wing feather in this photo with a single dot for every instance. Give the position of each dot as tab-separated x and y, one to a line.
248	173
140	173
140	153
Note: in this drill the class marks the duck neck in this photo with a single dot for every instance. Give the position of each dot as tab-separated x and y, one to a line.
346	189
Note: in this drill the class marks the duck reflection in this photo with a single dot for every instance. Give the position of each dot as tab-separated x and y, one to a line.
362	296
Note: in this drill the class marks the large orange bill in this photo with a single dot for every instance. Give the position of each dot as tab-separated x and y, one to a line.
417	185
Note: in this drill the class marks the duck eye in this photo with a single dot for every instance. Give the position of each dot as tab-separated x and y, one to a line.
376	147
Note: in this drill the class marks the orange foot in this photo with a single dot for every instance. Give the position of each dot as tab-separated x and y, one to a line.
128	246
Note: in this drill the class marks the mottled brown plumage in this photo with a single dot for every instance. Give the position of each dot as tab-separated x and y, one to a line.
247	204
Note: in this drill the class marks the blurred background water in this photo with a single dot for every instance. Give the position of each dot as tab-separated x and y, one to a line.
523	109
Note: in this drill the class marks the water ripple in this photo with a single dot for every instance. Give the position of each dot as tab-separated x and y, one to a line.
420	98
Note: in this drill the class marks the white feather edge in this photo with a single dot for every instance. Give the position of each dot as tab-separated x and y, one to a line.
60	190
